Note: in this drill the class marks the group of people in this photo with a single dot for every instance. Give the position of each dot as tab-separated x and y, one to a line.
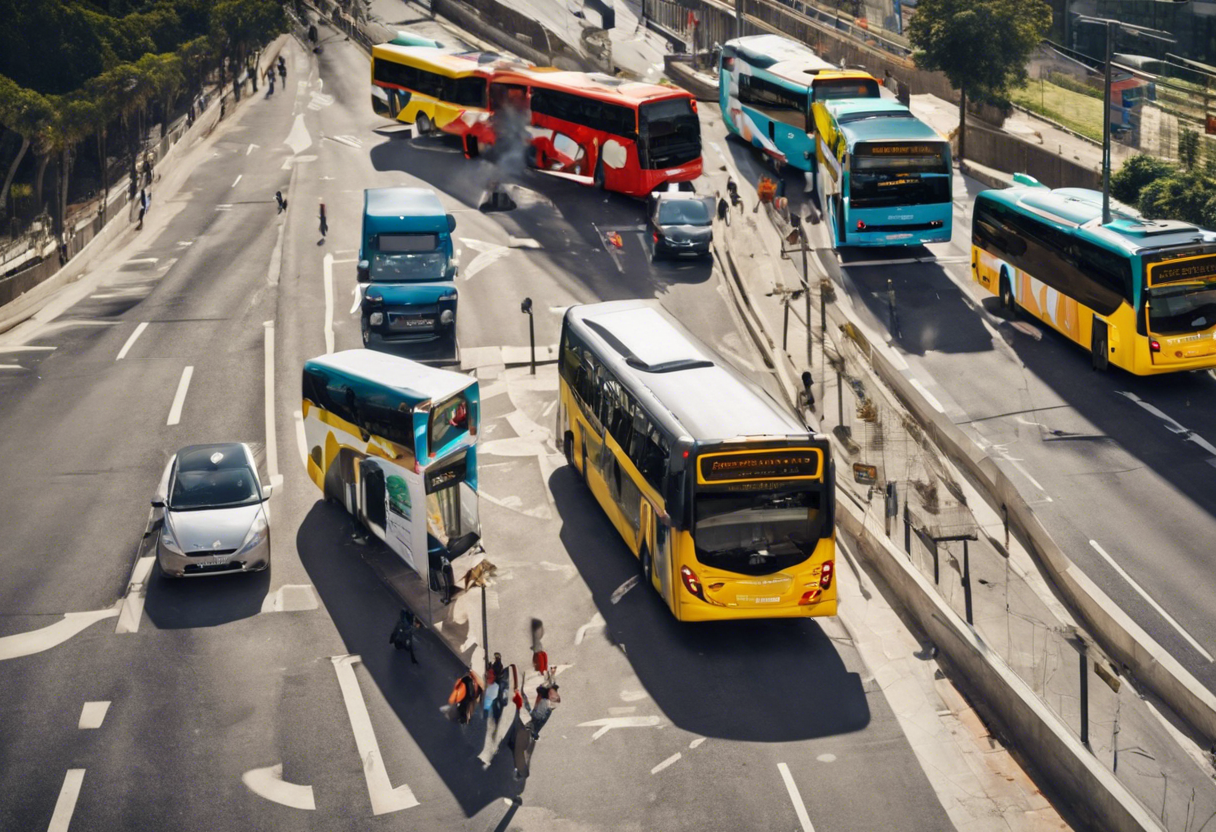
500	686
282	67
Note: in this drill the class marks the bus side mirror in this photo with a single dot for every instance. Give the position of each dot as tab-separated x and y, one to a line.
364	272
451	223
451	273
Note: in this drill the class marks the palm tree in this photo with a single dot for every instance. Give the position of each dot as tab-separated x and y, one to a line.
24	112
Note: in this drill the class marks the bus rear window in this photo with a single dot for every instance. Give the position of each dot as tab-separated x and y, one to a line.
832	88
449	420
407	242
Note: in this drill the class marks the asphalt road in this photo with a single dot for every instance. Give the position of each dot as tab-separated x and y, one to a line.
1121	469
662	726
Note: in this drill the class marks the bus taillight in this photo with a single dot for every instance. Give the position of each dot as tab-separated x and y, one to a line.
810	596
691	582
861	226
1154	345
825	575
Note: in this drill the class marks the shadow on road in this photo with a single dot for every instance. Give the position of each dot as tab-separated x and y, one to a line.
750	681
183	603
365	611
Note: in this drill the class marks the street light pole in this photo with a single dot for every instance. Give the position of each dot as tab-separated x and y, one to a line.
1106	129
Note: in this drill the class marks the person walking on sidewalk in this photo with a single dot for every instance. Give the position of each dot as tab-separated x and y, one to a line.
283	69
143	207
464	696
324	224
403	634
278	197
546	700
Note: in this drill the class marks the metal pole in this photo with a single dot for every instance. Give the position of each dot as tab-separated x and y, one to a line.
485	629
806	287
839	398
1106	132
937	572
967	581
1084	695
785	324
907	531
532	338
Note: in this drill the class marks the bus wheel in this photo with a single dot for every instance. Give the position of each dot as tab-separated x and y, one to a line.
586	476
647	567
1008	302
568	446
472	150
598	176
1099	351
423	124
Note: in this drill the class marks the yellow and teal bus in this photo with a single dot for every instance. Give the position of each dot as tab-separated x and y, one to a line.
726	498
393	442
1139	294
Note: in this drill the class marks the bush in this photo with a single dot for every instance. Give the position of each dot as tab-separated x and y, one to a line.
1188	147
1129	181
1187	196
1070	83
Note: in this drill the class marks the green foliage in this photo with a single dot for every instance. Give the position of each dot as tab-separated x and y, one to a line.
1209	214
1186	196
1188	147
980	45
1070	83
1127	183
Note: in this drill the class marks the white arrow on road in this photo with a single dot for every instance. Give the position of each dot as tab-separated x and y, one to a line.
384	797
35	641
269	783
490	254
608	723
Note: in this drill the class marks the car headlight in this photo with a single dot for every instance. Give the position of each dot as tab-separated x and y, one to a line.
168	539
376	318
447	316
450	295
256	535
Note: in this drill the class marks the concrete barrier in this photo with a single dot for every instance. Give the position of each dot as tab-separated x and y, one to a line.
679	70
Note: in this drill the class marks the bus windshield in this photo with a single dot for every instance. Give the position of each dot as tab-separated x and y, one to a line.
830	88
406	267
1183	308
670	133
758	532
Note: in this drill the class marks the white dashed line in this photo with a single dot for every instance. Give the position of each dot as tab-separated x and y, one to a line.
673	758
272	444
796	798
92	715
238	179
1136	586
137	589
175	412
139	330
66	804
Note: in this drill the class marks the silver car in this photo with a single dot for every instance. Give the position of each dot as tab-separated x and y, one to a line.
215	517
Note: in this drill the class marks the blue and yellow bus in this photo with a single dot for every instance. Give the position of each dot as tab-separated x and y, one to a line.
884	177
1139	294
766	87
393	442
724	496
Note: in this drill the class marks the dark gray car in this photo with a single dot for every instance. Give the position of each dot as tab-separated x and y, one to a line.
215	517
680	224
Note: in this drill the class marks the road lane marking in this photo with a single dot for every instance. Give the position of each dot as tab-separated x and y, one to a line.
66	804
299	138
139	330
1017	463
1172	424
490	253
139	261
238	179
696	742
276	259
133	601
53	635
619	592
93	714
673	758
250	150
521	242
27	349
272	444
328	264
597	622
301	439
607	724
929	397
175	412
1136	586
290	598
268	783
383	796
796	798
224	206
611	254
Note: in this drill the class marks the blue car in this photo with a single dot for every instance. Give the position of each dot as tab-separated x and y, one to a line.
405	267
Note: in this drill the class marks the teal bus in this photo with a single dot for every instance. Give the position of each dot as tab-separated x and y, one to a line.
885	177
766	87
407	268
393	442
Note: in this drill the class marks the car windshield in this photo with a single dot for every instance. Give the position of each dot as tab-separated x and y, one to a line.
213	478
757	533
401	267
683	212
1179	309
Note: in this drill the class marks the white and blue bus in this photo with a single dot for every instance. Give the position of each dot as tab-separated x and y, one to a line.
884	177
767	85
393	442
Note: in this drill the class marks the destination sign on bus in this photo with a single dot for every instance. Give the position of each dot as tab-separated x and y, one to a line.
1183	270
787	463
869	149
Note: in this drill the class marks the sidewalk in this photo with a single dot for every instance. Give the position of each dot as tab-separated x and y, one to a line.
1014	611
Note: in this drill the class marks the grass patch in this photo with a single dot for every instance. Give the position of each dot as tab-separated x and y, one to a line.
1074	110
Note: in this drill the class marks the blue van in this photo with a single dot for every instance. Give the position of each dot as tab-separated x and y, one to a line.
405	267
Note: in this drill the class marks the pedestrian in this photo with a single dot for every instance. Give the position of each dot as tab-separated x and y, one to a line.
143	207
498	683
147	171
465	693
403	634
270	81
278	196
542	709
324	223
282	69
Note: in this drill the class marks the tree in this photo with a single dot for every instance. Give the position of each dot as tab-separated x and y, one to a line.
1128	181
164	77
25	113
240	26
1188	147
981	46
1184	196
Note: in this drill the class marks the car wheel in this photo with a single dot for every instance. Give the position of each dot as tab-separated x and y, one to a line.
423	124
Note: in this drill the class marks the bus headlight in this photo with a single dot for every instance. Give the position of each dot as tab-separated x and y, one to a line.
446	317
376	318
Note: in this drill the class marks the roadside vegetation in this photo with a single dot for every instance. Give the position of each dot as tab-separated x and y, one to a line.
1163	190
83	83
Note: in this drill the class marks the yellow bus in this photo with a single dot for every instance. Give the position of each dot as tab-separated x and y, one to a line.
1139	294
434	89
726	499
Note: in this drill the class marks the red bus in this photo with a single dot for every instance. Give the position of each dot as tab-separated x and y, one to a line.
621	135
